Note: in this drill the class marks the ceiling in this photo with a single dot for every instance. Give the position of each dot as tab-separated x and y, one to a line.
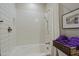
71	6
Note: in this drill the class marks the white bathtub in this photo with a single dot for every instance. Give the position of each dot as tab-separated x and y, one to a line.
30	50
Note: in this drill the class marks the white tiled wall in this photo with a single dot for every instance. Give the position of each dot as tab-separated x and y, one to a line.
7	40
28	24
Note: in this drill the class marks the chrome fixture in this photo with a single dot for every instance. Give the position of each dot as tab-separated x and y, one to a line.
47	43
9	29
1	20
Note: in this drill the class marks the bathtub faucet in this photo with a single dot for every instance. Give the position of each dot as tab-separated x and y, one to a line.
47	43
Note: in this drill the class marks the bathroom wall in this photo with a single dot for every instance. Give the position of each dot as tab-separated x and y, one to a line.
7	39
28	23
64	8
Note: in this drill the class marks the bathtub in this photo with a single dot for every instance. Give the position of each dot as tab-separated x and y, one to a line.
30	50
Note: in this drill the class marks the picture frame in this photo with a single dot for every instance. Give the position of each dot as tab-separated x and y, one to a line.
71	19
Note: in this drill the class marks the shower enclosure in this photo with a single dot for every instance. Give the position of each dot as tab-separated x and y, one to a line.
28	29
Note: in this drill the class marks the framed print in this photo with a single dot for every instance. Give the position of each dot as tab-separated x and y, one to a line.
71	19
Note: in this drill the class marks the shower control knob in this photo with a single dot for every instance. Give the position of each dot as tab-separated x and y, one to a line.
9	29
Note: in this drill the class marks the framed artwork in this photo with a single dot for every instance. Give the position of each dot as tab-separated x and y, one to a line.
71	19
